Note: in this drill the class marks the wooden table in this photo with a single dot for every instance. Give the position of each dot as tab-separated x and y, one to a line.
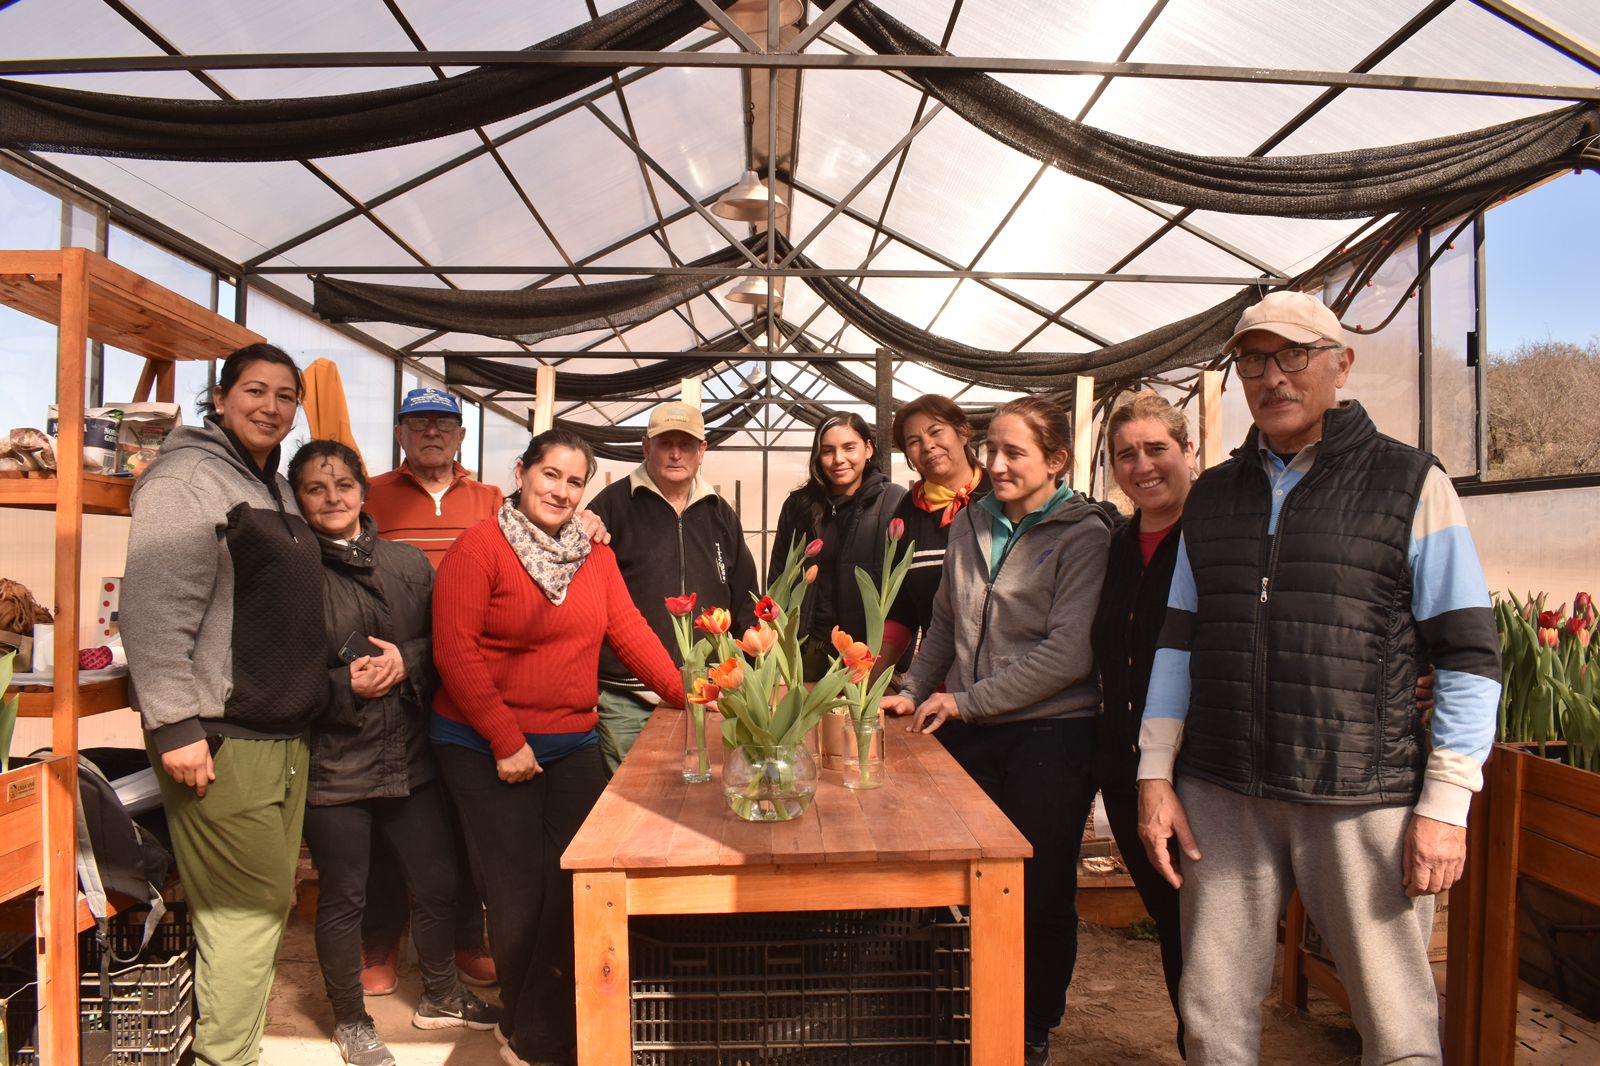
928	837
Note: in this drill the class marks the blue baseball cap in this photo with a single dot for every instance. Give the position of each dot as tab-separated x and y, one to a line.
418	401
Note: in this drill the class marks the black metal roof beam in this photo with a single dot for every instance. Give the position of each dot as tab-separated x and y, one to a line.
1542	32
803	61
770	272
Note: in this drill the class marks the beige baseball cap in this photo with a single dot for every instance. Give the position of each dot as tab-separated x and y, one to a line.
677	416
1294	316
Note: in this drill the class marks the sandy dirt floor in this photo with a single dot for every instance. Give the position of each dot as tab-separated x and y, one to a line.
1118	1013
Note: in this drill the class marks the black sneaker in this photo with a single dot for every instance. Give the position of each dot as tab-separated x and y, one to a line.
1036	1055
462	1009
358	1042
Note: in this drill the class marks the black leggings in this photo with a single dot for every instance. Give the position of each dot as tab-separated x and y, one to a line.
516	834
1037	773
418	829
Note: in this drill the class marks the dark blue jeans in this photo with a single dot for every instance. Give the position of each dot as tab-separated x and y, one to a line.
1038	774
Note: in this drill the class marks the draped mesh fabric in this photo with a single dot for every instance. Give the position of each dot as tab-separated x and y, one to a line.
48	119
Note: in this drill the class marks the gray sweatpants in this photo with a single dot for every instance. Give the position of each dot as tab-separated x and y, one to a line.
1346	862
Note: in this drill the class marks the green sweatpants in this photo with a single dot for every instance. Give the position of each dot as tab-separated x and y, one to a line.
622	719
237	850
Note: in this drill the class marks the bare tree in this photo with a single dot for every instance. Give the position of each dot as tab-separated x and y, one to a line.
1544	410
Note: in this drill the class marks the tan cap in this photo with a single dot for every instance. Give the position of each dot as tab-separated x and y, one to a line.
677	416
1294	316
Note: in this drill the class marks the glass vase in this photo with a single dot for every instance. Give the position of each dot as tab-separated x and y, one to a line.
863	757
769	784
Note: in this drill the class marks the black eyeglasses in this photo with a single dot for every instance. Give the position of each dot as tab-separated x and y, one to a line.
1289	360
444	423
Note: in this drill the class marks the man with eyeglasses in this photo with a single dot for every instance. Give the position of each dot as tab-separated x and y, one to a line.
429	501
1322	568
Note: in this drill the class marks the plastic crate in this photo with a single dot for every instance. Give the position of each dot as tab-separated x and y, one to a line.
150	1012
825	988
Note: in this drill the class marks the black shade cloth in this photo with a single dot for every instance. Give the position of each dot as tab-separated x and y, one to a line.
499	376
1354	184
622	442
48	119
526	315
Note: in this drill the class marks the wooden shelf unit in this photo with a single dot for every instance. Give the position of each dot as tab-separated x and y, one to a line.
86	296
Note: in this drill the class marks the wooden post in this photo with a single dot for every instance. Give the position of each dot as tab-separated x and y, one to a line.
57	911
689	392
600	965
1463	987
1213	447
544	399
1083	434
1497	1013
1293	988
996	892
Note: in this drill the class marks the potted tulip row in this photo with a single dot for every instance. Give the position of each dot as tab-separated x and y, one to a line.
1550	695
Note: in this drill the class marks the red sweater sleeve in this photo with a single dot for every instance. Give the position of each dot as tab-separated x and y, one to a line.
631	637
460	601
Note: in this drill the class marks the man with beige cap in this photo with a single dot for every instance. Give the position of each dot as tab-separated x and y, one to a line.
1322	568
673	536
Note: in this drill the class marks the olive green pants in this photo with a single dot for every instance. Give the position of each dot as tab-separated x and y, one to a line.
622	719
237	850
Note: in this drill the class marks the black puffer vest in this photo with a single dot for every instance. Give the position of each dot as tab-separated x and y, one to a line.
1305	654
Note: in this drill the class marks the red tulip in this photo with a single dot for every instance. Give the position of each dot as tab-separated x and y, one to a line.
814	549
758	641
897	528
767	609
729	674
811	573
681	606
1581	603
1576	624
703	692
714	620
1549	619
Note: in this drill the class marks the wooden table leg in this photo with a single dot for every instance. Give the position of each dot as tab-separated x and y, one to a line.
997	963
1293	986
600	957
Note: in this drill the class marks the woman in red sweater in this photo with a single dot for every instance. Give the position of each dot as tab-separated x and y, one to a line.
520	607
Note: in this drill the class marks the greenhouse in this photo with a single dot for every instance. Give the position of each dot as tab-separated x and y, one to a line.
765	233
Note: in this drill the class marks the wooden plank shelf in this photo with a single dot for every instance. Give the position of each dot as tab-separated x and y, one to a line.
102	494
129	312
96	697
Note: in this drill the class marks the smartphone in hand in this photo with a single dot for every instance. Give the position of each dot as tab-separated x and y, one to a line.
355	647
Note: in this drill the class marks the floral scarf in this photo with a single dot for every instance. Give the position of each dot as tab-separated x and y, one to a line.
931	496
552	562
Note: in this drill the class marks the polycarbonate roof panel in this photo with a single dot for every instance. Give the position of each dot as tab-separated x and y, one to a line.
849	120
689	119
82	29
956	187
461	342
358	242
1069	225
368	175
237	209
470	215
462	27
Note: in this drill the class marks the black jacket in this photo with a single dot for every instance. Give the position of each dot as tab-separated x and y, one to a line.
852	529
1304	652
662	553
1133	605
378	748
913	608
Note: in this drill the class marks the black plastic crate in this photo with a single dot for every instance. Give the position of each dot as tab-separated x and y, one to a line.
823	988
150	1011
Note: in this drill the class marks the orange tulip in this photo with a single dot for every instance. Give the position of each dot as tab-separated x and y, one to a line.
702	692
728	675
847	646
1549	637
811	574
714	620
758	641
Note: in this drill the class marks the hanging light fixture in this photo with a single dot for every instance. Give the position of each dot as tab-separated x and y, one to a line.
751	15
747	201
753	291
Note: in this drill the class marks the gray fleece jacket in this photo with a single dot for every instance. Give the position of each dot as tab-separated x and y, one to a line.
222	596
1017	647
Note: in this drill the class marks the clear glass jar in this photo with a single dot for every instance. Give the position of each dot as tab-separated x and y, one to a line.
863	756
766	784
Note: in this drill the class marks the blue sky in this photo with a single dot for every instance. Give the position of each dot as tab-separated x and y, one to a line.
1543	253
